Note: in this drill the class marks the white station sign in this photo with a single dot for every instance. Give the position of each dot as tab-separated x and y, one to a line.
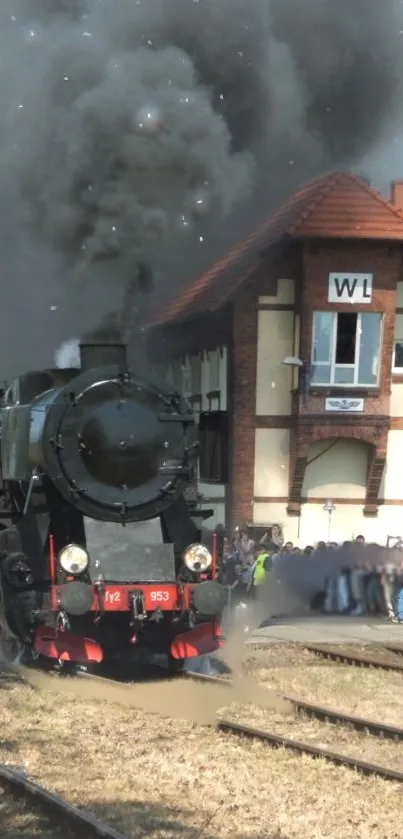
344	406
350	288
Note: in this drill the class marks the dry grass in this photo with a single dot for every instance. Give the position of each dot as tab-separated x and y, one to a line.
370	693
17	821
162	778
367	651
334	738
277	655
297	655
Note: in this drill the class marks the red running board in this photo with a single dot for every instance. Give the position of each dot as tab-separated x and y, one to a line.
64	646
203	639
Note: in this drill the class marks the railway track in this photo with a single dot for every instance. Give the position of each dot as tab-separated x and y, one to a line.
308	710
356	660
326	715
78	822
397	650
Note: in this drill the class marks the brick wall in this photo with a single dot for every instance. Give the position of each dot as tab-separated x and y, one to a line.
310	264
284	262
243	399
313	423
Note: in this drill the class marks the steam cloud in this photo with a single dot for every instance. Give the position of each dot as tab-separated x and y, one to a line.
131	129
68	354
294	581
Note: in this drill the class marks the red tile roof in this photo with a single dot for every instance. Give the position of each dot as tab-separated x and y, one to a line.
338	206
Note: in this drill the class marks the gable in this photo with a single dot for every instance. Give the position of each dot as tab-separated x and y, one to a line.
338	206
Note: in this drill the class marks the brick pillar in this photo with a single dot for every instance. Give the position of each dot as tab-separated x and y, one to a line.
243	406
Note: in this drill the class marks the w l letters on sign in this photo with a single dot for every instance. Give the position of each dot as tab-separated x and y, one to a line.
350	288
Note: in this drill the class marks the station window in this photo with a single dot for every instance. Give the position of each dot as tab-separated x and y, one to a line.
177	382
397	361
214	370
346	348
186	378
398	357
196	366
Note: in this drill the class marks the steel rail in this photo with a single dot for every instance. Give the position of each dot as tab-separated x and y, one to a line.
202	677
377	729
279	742
398	650
308	709
360	724
79	821
323	714
334	654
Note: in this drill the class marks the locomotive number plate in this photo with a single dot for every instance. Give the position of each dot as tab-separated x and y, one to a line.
116	598
164	598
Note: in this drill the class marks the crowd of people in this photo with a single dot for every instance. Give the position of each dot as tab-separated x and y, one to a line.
363	579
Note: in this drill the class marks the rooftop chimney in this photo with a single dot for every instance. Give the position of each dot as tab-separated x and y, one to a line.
397	194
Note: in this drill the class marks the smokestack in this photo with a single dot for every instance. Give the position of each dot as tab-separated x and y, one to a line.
397	194
102	354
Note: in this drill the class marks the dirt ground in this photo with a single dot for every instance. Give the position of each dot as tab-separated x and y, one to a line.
163	778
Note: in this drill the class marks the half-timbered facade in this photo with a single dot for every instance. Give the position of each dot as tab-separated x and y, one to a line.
320	287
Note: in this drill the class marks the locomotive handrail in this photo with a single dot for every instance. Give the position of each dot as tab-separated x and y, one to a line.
183	418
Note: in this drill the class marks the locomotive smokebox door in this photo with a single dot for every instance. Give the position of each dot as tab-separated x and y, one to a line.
113	447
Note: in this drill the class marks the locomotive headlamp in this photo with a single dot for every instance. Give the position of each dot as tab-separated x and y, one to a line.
73	559
197	558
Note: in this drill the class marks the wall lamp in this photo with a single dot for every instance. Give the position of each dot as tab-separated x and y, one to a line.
305	374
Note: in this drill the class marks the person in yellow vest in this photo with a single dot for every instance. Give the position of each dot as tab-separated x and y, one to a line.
263	564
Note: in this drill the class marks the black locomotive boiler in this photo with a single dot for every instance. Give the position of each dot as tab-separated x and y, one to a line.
100	555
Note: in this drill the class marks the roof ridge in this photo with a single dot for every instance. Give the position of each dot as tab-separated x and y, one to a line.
304	188
323	187
375	193
302	213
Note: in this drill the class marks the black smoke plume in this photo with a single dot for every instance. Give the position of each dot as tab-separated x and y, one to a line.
131	130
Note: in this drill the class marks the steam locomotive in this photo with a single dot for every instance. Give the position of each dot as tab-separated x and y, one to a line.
99	553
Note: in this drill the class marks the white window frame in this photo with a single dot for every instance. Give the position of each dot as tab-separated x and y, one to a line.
196	361
186	378
398	371
214	361
355	367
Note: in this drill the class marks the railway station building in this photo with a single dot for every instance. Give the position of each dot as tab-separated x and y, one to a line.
290	349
